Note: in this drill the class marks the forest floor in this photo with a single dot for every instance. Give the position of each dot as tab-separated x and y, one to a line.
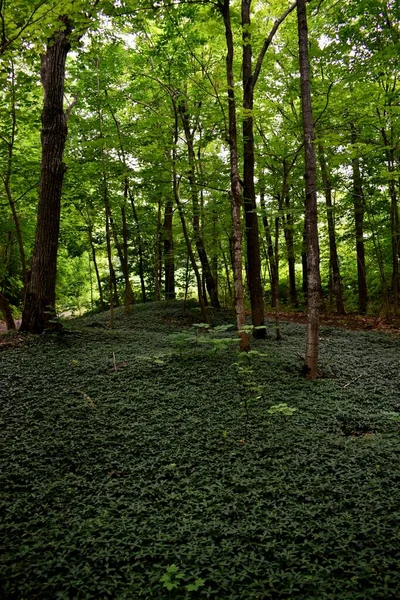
154	461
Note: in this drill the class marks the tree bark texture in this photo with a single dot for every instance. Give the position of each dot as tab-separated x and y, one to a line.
249	196
40	298
313	275
236	186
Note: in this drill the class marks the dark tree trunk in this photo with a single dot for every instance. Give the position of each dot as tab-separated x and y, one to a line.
169	260
313	275
249	196
208	276
6	310
335	280
236	186
359	211
40	298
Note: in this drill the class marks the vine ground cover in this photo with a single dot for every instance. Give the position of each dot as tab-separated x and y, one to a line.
127	471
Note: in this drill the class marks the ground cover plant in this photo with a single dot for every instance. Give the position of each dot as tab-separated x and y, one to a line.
132	468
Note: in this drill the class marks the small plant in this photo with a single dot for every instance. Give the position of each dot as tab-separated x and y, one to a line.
246	376
172	579
281	409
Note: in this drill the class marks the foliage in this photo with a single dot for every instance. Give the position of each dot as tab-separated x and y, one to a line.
124	459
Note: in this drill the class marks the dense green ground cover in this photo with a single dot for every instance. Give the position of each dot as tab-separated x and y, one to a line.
122	483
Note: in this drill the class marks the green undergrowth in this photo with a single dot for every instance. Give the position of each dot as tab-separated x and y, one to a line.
150	461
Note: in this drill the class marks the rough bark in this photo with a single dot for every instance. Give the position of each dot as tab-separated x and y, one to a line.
208	276
249	196
359	211
313	275
335	279
236	186
40	298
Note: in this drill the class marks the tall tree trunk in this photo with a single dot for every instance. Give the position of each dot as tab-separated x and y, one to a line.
201	250
313	275
359	210
249	196
169	259
157	256
40	298
336	280
6	310
236	186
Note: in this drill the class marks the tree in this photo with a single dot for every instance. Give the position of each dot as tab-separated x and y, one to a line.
313	275
39	307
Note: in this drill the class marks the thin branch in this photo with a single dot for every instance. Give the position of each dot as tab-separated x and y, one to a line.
268	41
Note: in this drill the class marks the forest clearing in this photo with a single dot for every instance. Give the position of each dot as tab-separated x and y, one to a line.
131	472
200	299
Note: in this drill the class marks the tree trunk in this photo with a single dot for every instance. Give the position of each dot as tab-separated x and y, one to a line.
394	219
236	186
209	280
157	256
249	196
140	243
6	310
40	298
169	261
359	210
336	280
313	275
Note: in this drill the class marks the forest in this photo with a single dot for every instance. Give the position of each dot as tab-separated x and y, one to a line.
200	294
